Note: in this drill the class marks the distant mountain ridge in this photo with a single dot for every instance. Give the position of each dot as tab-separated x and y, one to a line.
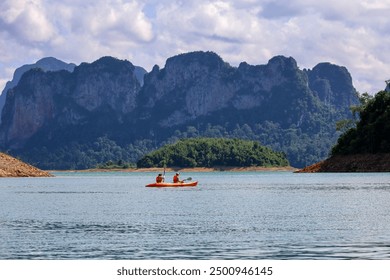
195	94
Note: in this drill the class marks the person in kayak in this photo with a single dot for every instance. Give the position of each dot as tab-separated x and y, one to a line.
159	178
176	178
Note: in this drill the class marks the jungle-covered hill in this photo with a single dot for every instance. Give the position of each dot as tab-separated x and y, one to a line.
211	152
365	147
372	132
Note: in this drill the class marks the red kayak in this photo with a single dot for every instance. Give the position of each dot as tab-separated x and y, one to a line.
184	184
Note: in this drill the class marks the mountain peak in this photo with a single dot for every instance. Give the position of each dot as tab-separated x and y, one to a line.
113	65
53	64
333	84
282	63
209	59
106	63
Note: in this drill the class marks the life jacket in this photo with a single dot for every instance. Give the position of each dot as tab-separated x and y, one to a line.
159	179
176	179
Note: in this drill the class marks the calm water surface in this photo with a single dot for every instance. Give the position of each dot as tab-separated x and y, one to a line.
275	215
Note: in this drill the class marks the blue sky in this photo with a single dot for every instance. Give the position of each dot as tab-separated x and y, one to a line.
354	34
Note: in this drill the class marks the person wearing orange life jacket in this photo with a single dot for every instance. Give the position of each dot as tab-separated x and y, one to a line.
176	178
159	178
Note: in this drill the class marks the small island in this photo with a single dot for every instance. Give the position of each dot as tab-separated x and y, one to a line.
12	167
216	153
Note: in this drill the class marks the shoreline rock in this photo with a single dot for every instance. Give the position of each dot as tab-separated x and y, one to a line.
351	163
12	167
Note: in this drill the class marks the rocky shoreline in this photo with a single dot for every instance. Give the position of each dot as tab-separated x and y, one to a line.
351	163
12	167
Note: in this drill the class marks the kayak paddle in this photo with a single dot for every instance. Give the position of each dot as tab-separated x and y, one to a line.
188	179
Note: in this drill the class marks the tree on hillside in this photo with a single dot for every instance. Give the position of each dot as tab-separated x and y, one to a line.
372	132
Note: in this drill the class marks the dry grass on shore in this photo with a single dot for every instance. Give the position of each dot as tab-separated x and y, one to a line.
12	167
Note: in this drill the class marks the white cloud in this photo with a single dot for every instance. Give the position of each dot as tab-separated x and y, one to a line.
98	28
26	21
147	32
102	19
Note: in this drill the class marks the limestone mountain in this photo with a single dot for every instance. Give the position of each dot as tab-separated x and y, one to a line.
46	64
332	84
64	106
200	88
103	111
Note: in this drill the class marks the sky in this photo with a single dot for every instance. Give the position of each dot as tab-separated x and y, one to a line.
354	34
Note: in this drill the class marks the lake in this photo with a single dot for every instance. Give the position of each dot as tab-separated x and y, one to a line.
229	215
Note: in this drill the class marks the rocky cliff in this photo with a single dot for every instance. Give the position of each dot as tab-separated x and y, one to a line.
200	84
45	64
332	84
43	101
189	86
195	94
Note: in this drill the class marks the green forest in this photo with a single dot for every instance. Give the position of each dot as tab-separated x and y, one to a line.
102	153
372	132
211	152
301	147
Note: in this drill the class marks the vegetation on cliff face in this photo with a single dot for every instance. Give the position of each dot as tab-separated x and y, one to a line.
211	152
372	132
